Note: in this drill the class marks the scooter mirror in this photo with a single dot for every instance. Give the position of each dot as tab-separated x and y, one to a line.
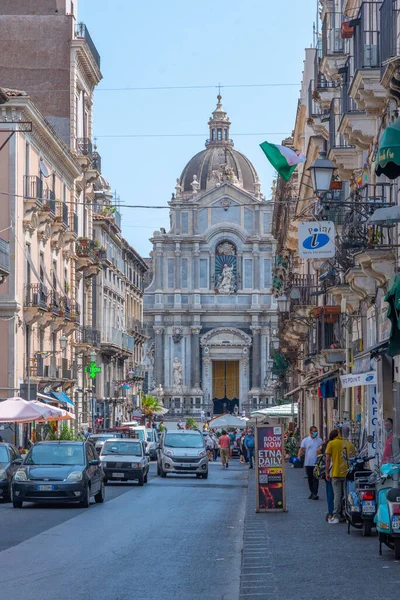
370	439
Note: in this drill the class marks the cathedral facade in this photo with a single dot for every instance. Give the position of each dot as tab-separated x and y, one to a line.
209	311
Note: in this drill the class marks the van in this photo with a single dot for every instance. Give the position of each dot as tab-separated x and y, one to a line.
182	452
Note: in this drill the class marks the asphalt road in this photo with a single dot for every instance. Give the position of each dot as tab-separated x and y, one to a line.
176	538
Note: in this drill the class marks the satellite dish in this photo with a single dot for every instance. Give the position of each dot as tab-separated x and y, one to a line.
43	169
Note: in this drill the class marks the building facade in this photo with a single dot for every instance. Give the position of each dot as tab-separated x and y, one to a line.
335	315
208	309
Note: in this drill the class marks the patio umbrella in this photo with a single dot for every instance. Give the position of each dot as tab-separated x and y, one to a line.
228	421
18	410
57	414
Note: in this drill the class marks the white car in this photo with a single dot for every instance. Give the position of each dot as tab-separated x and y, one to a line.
152	441
124	460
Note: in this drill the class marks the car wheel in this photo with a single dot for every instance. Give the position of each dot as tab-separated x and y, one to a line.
15	503
146	476
158	469
205	475
141	479
7	494
163	473
100	496
85	503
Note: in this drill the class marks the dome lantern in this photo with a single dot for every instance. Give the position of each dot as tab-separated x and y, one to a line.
219	125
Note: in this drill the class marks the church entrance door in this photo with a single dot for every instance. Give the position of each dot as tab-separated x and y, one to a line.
225	386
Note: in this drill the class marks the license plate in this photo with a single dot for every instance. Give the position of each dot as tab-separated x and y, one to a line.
368	506
395	523
186	465
117	474
45	488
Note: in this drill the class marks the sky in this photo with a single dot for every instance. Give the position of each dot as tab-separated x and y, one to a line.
177	43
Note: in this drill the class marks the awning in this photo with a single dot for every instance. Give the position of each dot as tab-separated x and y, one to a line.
385	216
388	157
45	398
393	299
63	398
312	381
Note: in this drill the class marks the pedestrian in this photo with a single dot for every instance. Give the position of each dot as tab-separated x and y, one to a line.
338	452
321	467
180	424
242	448
209	446
387	451
232	437
310	445
224	444
250	443
216	446
202	416
161	426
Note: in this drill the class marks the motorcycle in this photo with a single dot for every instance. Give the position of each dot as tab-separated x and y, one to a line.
359	498
387	518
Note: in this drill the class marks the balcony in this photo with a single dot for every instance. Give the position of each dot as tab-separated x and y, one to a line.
128	342
303	294
33	188
88	259
86	336
111	341
390	46
82	32
96	161
84	147
135	373
35	303
4	260
332	207
341	152
333	45
45	367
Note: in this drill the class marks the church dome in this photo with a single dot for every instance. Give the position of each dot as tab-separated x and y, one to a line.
219	162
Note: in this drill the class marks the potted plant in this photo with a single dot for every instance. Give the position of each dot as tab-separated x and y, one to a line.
84	241
347	30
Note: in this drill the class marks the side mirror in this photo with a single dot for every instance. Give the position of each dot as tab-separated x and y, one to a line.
94	463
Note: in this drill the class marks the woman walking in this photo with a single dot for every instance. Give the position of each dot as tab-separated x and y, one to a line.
329	489
209	446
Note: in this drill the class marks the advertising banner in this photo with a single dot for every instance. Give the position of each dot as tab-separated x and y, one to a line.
270	469
352	380
316	239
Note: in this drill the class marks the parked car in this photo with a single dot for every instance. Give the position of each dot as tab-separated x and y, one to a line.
152	441
59	471
124	460
182	452
10	460
98	439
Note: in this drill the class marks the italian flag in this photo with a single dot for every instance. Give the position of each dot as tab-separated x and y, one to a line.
283	159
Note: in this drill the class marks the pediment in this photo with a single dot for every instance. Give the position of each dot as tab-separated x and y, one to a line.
225	336
228	191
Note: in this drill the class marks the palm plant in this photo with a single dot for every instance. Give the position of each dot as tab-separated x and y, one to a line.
151	406
191	423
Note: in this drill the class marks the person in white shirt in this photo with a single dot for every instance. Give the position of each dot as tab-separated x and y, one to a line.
309	446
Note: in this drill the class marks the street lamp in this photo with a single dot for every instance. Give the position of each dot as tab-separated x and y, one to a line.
321	172
93	356
283	304
63	342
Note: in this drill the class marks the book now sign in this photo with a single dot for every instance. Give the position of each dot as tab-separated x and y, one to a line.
351	380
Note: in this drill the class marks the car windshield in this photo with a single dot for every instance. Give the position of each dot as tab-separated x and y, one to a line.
150	435
127	448
3	454
55	454
182	440
139	433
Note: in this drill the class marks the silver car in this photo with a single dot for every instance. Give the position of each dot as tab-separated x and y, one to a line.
152	441
182	452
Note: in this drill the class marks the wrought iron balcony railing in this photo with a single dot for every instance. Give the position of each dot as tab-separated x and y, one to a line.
87	335
82	32
366	36
36	296
84	147
33	188
332	42
304	290
389	41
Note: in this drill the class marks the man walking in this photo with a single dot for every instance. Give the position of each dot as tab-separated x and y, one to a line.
250	443
309	446
224	444
338	452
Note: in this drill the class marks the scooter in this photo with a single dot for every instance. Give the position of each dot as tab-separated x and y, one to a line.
359	498
387	518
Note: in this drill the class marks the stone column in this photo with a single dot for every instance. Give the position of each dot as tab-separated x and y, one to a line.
158	267
195	375
158	355
178	266
256	363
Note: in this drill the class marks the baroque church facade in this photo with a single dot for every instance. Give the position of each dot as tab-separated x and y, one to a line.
208	309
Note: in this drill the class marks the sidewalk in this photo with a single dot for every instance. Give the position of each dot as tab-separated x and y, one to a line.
298	556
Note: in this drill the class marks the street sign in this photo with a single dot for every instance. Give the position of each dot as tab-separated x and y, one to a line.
92	369
352	380
270	469
316	239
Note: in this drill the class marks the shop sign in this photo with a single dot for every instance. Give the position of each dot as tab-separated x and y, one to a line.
353	380
373	419
316	239
270	469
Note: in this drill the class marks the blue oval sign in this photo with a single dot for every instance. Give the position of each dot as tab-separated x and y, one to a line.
315	241
370	378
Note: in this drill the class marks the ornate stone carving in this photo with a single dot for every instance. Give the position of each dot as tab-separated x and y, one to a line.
195	185
256	329
195	329
177	373
245	362
206	362
158	329
44	232
237	337
226	281
177	334
226	248
30	222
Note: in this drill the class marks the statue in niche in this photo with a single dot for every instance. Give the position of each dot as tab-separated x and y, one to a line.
177	371
226	281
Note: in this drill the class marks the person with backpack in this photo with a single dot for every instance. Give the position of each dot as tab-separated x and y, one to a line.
250	444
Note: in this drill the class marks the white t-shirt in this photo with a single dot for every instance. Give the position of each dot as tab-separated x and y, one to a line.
311	446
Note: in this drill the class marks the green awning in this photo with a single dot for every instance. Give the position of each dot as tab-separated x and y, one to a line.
388	157
393	299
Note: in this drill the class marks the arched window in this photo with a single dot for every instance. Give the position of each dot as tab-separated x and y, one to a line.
226	268
213	134
219	134
225	134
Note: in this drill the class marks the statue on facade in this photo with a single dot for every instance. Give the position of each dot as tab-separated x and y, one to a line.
177	371
226	281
